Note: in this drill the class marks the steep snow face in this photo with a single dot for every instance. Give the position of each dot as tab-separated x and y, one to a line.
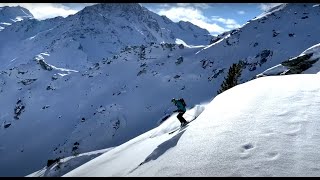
9	15
265	127
96	32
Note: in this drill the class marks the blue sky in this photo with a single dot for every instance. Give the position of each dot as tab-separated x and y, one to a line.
215	17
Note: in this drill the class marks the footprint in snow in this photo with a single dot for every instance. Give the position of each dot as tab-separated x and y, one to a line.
273	155
245	150
294	130
247	146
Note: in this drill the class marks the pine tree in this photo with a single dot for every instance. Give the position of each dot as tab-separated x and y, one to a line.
232	78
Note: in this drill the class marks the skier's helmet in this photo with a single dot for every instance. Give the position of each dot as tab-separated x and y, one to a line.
173	100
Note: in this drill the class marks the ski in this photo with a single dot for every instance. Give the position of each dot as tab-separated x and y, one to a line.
182	127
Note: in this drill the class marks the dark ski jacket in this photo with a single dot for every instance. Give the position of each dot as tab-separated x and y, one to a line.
180	106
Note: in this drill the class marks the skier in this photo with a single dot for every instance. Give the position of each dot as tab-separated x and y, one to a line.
181	105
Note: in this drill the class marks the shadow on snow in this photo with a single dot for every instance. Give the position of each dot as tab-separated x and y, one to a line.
161	149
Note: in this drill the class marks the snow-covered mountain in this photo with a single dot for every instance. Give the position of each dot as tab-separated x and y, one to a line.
9	15
95	32
63	94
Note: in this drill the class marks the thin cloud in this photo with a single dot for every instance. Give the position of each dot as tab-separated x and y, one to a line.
232	26
201	5
195	5
183	4
211	27
192	15
164	5
229	23
223	20
241	12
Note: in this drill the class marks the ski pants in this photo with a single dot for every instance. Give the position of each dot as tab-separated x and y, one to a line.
181	119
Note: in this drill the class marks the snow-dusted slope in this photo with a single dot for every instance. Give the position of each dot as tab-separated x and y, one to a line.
9	15
265	127
63	103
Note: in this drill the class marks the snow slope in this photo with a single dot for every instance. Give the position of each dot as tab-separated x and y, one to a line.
68	90
265	127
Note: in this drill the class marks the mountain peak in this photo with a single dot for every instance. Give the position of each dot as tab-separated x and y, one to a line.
113	7
13	14
187	24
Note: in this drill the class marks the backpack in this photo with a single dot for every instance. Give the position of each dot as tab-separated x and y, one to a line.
182	101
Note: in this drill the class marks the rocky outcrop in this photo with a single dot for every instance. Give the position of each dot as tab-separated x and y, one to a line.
295	65
299	64
27	81
18	109
44	65
179	60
